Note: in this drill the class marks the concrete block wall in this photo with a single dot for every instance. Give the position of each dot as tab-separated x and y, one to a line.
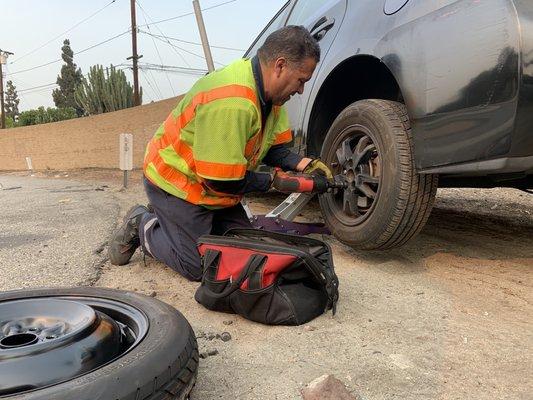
88	142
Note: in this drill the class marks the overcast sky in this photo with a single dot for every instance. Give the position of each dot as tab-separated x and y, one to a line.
28	27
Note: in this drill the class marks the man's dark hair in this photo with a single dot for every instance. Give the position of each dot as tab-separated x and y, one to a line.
295	43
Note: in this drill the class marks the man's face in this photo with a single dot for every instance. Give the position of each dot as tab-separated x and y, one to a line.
289	79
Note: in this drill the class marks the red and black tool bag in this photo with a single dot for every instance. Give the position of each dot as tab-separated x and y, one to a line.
268	277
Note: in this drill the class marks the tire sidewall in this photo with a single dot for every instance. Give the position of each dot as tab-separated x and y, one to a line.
167	335
382	127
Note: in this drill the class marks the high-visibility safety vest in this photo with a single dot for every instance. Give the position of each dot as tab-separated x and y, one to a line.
215	133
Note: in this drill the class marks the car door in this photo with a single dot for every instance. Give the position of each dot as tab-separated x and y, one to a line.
275	23
323	19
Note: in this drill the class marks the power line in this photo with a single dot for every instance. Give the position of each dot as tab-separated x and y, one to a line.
61	34
187	14
35	87
167	68
145	14
149	84
182	49
160	31
155	82
22	95
47	86
79	52
195	43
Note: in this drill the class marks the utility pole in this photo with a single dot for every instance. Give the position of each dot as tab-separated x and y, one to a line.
203	35
134	57
3	59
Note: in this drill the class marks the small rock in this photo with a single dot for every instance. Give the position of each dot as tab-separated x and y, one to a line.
99	249
369	320
225	336
210	336
376	352
213	352
494	207
309	328
228	322
200	334
153	294
327	387
203	354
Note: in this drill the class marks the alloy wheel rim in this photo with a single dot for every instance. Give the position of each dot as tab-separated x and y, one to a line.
357	157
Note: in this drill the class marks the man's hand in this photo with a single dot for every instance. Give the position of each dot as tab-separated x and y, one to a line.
318	167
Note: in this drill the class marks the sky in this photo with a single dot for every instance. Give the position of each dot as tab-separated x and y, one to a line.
34	31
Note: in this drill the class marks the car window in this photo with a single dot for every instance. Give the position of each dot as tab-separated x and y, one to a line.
274	24
303	10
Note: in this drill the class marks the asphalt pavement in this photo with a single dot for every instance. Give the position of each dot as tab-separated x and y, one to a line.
52	231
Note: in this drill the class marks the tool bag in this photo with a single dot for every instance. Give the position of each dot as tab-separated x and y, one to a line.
267	277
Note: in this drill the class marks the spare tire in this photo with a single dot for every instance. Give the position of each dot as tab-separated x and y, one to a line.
386	202
93	344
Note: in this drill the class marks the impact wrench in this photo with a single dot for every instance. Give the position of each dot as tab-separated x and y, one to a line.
293	182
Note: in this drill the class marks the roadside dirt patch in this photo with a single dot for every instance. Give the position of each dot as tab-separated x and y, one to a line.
446	316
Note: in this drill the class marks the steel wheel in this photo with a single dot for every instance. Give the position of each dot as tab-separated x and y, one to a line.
51	340
89	343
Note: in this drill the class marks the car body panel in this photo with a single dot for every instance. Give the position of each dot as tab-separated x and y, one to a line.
335	11
464	69
522	141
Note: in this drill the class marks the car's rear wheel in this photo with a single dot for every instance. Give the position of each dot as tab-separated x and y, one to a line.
93	344
386	202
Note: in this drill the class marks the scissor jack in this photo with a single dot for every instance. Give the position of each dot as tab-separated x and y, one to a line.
280	219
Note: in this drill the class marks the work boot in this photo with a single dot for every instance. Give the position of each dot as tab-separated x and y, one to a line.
126	240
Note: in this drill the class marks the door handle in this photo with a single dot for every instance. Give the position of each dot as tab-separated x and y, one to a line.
324	24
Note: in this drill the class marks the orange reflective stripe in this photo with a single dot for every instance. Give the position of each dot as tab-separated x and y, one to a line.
173	126
251	145
219	170
171	137
283	137
224	92
196	195
195	191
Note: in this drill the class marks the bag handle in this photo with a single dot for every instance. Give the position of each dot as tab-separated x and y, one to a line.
210	261
255	261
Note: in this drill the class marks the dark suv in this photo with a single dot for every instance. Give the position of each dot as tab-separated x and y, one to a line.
409	96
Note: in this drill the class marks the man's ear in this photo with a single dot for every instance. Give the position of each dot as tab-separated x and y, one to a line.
279	65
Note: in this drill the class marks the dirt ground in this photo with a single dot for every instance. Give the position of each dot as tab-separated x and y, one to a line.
447	316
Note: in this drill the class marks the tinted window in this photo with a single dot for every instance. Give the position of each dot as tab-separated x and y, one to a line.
276	23
303	10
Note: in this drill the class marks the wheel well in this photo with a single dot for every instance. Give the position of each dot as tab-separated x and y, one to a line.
358	78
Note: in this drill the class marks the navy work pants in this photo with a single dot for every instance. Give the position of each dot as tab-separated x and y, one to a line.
170	233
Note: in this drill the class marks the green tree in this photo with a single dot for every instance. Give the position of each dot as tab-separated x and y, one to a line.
69	78
12	101
105	92
10	123
43	116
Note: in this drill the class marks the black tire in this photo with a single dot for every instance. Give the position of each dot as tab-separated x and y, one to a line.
402	198
161	366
